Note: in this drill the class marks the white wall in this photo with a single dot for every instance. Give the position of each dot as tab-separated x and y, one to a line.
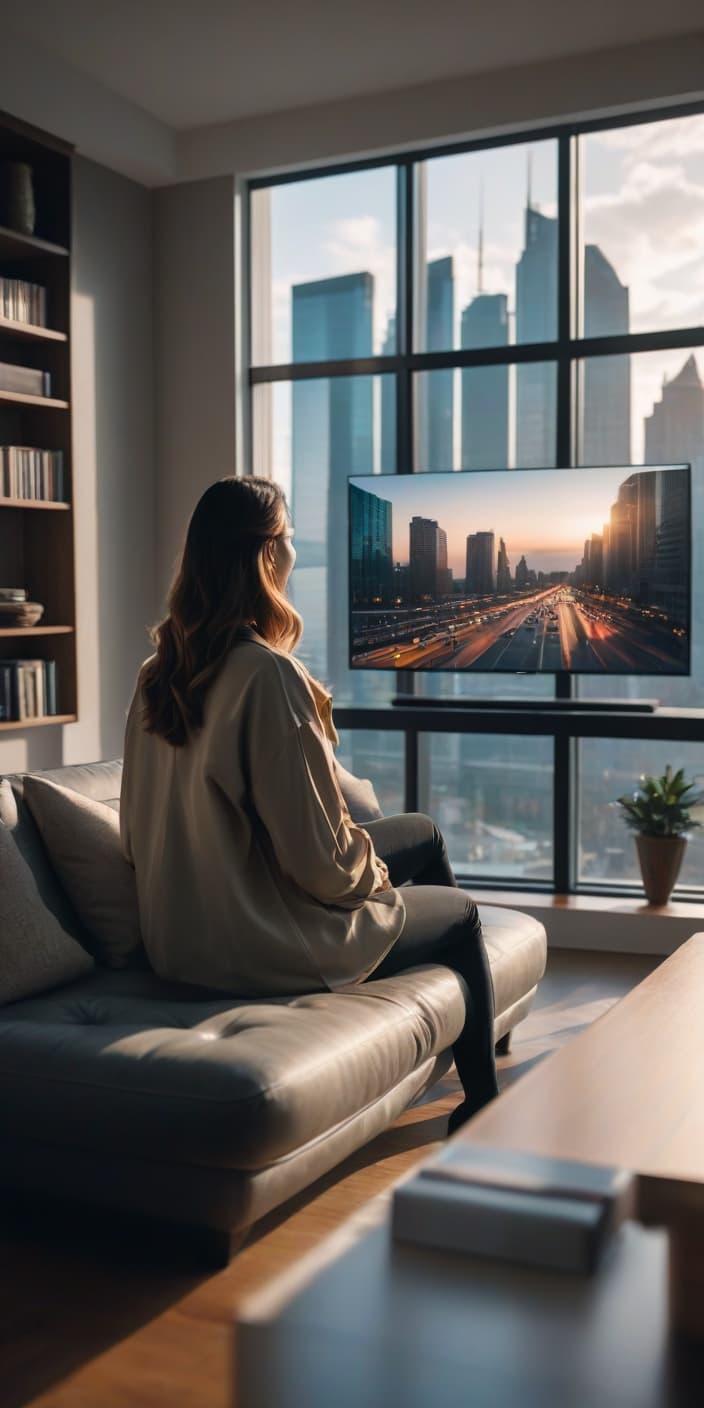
195	352
587	84
113	398
41	88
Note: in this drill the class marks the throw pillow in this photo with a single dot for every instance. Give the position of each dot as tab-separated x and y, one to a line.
360	797
36	952
82	837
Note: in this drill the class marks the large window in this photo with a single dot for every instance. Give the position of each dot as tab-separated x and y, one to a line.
501	305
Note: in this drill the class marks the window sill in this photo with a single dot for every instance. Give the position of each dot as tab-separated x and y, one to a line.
602	922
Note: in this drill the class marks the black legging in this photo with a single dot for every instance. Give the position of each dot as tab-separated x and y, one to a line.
442	926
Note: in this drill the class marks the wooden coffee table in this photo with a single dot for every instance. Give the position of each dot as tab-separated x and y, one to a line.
629	1091
368	1321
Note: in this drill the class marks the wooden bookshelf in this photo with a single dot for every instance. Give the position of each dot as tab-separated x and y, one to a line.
50	504
30	332
16	724
22	398
9	631
36	535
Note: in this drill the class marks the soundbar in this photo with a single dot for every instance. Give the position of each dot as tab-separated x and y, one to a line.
532	706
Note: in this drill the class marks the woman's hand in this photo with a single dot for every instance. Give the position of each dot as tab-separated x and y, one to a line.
383	877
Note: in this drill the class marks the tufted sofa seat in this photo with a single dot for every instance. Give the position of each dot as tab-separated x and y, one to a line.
123	1090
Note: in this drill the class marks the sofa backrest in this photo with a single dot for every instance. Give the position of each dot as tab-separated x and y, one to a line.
100	781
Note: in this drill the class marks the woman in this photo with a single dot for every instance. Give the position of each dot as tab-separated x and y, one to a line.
251	875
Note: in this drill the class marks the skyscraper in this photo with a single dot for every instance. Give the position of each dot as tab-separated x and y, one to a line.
623	537
606	408
444	573
674	431
332	437
481	570
435	389
371	556
674	434
388	405
485	390
503	570
427	558
596	561
536	321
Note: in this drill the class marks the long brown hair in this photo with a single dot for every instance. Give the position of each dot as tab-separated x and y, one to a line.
226	580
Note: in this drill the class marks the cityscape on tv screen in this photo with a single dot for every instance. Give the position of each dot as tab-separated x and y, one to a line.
539	571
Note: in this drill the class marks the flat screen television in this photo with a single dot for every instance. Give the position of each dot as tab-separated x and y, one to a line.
535	571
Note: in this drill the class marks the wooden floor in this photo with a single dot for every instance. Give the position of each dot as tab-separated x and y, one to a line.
90	1318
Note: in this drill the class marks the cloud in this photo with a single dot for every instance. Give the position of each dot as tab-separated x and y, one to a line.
651	229
668	140
357	243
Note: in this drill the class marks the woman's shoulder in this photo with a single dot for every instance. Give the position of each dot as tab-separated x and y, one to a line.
254	661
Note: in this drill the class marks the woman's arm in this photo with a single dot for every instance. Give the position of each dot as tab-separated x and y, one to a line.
297	798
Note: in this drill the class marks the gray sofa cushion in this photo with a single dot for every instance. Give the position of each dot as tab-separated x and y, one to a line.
36	951
98	780
179	1073
173	1073
82	836
358	792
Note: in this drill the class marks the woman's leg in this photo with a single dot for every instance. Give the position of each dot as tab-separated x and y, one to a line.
442	926
413	849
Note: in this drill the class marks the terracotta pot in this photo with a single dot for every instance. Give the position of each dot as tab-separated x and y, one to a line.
660	860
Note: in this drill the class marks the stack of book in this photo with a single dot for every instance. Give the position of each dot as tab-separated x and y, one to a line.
23	302
27	689
26	473
29	381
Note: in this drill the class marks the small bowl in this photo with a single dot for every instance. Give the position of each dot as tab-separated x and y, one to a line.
21	613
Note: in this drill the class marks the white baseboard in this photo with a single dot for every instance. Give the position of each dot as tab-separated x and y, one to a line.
604	924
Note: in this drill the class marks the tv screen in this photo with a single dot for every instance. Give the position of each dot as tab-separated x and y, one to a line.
536	571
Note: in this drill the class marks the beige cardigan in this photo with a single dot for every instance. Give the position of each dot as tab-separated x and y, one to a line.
251	875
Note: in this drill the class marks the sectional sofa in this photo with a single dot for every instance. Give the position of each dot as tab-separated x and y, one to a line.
124	1092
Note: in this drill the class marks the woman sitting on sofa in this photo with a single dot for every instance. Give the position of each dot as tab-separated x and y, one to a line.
251	875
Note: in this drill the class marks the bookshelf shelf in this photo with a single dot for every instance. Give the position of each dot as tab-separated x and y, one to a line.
6	632
52	504
8	724
37	535
14	245
30	332
21	398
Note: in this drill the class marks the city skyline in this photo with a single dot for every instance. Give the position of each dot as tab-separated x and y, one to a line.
508	505
620	603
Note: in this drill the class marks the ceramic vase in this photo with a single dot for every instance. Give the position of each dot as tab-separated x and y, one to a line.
18	207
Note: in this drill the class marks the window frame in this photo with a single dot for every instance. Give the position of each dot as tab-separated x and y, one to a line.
566	351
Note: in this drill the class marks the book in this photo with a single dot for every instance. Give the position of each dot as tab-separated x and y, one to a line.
28	473
5	692
13	594
537	1211
50	686
28	690
29	381
39	689
23	302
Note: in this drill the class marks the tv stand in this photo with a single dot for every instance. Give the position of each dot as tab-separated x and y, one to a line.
548	706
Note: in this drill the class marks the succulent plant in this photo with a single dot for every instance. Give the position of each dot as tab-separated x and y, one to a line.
662	806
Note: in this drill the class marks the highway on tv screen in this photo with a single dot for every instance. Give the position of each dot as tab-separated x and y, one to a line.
538	571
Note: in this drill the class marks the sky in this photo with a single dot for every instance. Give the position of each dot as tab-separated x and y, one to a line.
545	515
643	204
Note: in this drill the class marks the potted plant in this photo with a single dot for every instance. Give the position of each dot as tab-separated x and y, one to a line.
660	813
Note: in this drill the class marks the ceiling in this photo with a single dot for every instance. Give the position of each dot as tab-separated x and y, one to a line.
209	61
